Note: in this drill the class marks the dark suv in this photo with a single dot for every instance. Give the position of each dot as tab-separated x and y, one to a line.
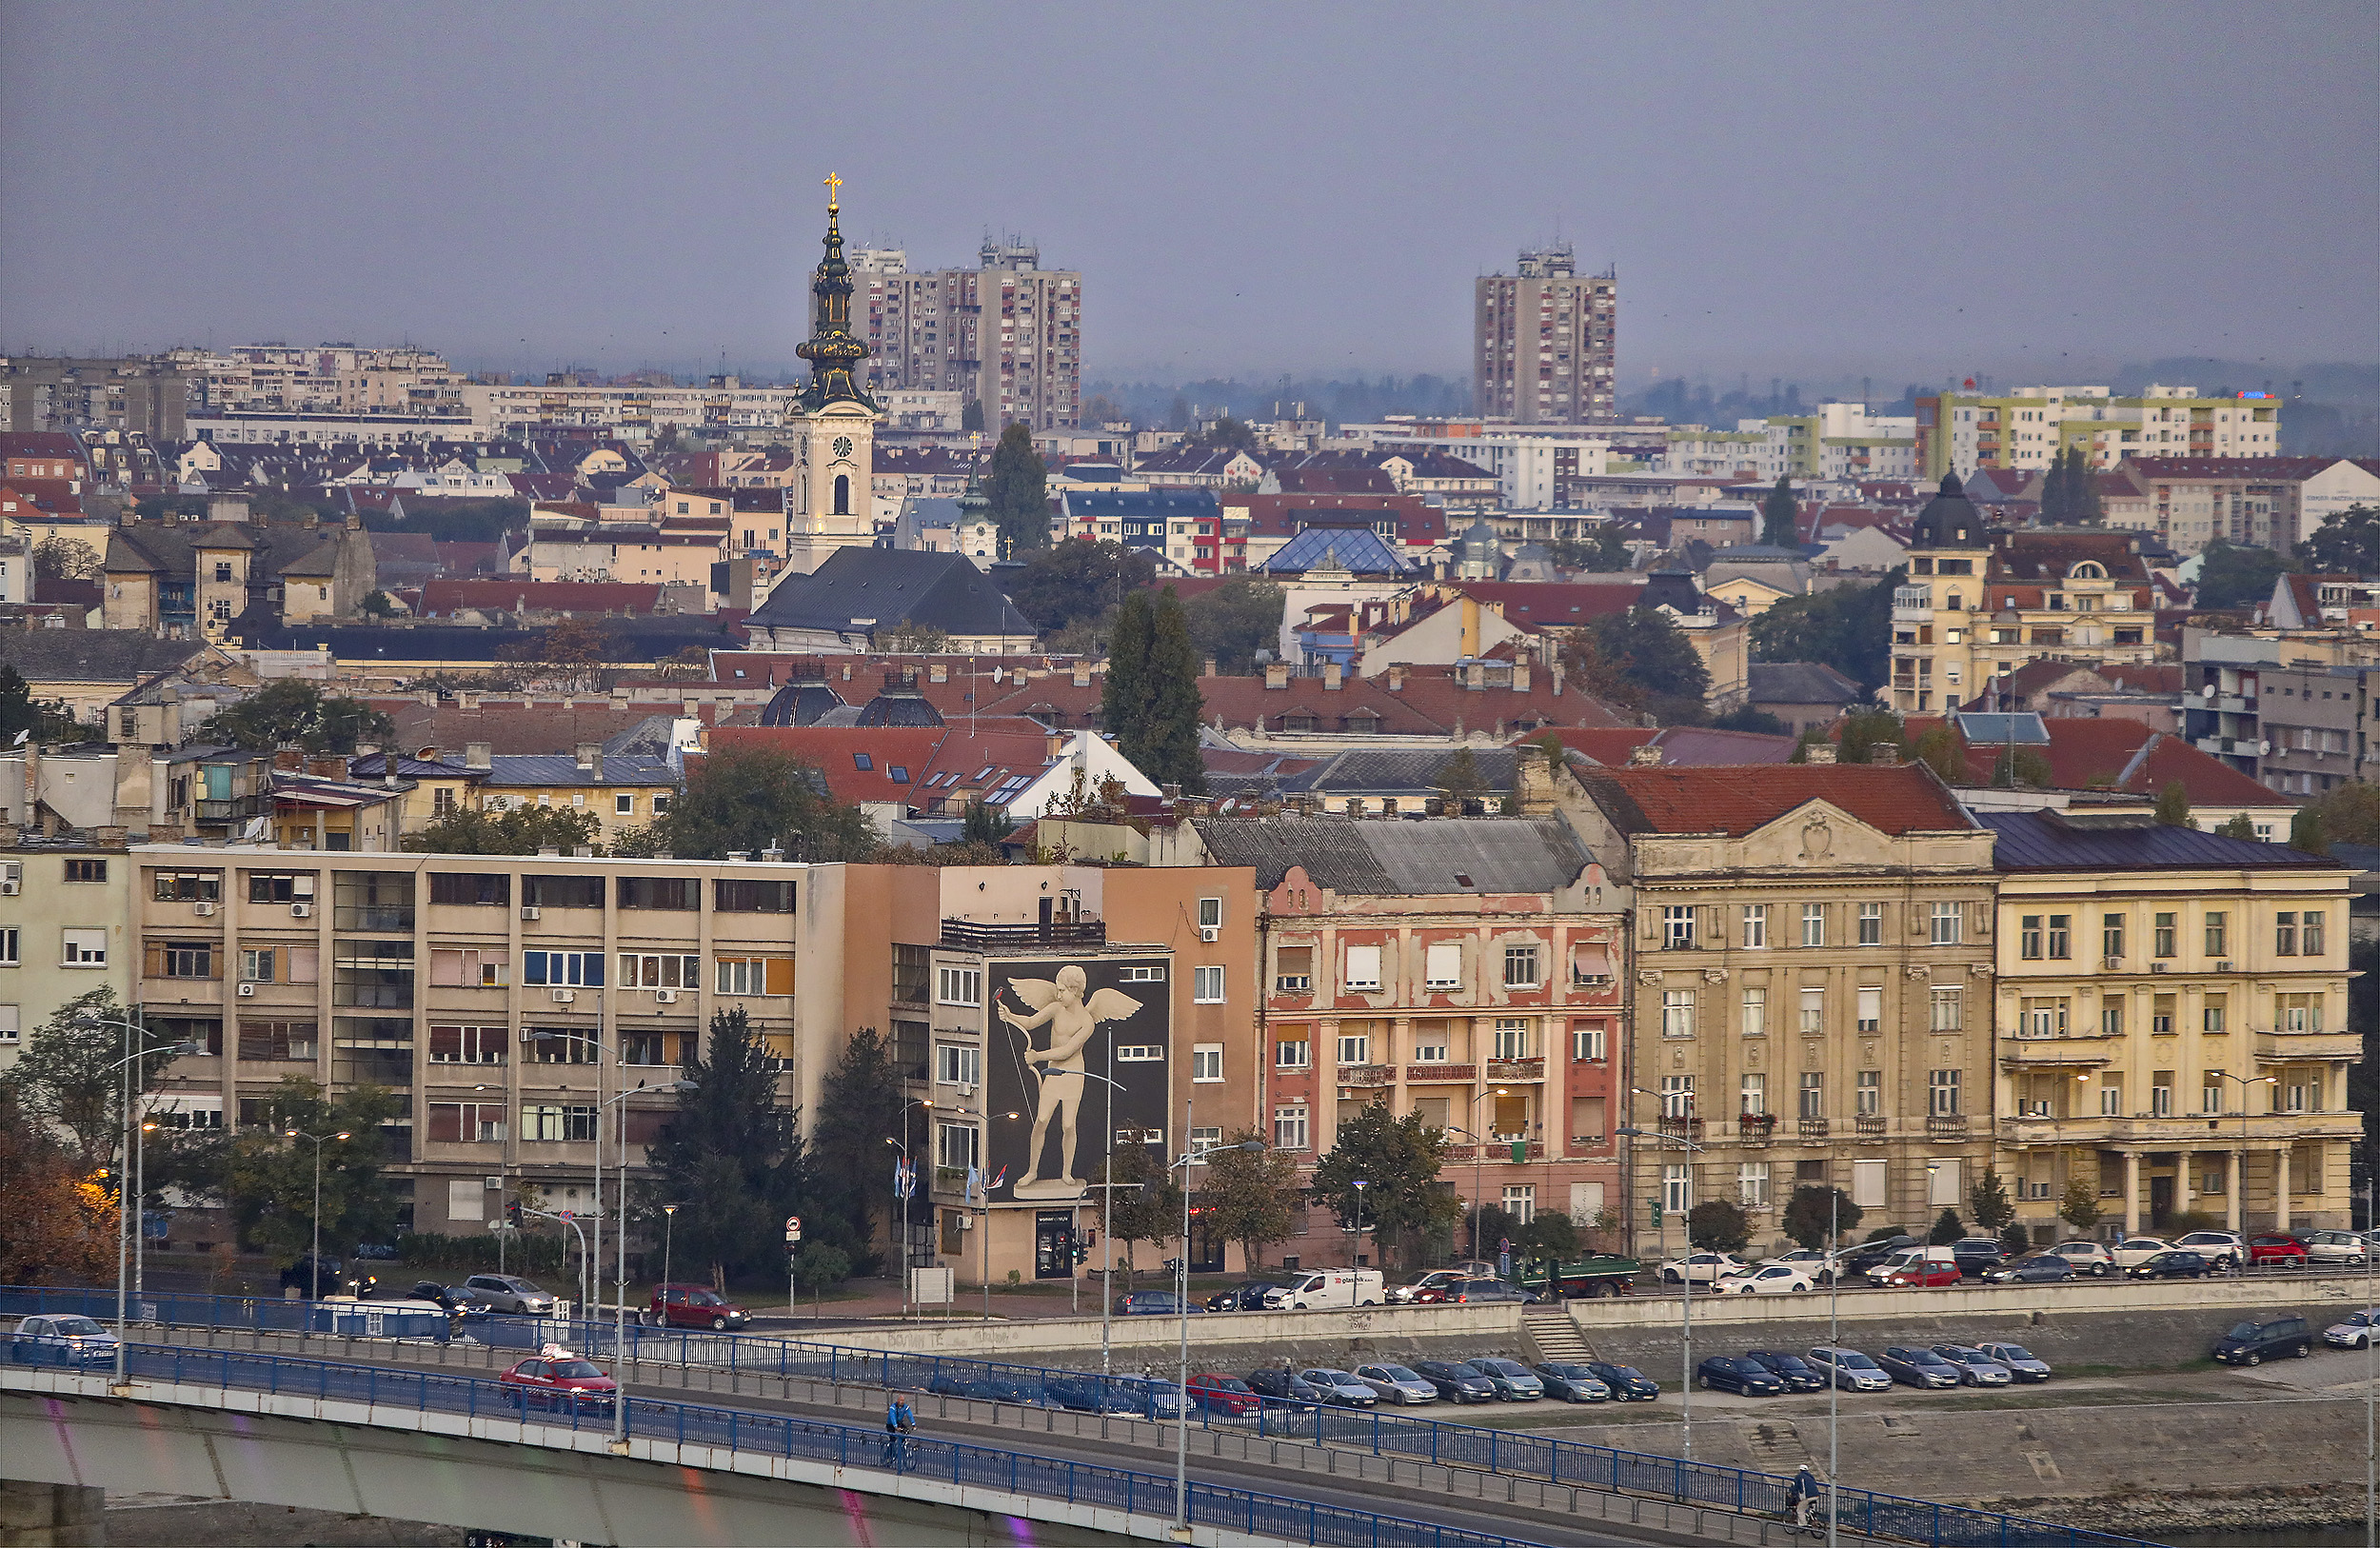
1976	1254
2252	1344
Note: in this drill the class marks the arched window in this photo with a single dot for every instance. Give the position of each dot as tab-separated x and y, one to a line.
843	494
2088	570
1956	603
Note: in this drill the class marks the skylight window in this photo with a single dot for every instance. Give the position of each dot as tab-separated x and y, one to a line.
899	773
860	761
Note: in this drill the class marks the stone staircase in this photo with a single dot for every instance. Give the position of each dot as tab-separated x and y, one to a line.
1556	1336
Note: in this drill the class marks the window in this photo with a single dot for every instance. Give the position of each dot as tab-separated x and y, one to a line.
1520	968
86	870
455	967
1139	1053
1814	924
2161	1015
1677	1096
1752	1184
2110	1096
2061	937
1870	1009
624	805
1206	985
1756	925
2029	937
1587	1041
2310	936
2161	935
958	986
280	887
180	959
1872	924
1942	1093
1678	1013
1294	969
1511	1037
1755	1011
553	1121
2211	1092
2042	1017
2300	1012
577	969
1870	1093
1207	1061
668	970
2111	935
468	1045
277	1041
1945	1005
468	1123
1428	1042
2161	1094
2285	934
1677	929
1870	1181
1293	1053
2211	1012
1363	967
682	893
1677	1188
2112	1015
1355	1048
470	889
187	886
256	965
1813	1012
771	976
1813	1094
1520	1202
9	952
753	897
955	1146
1289	1128
1210	913
1946	926
1755	1095
957	1063
2219	935
1443	965
11	1025
379	974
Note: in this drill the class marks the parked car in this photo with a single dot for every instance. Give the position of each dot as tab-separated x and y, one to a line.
1921	1267
1218	1393
1255	1296
2352	1332
692	1306
316	1278
2038	1268
960	1382
1284	1387
2174	1264
1087	1392
1627	1383
1818	1265
1765	1280
1855	1262
1723	1373
1455	1382
510	1292
1701	1267
2252	1344
1409	1291
2023	1365
2087	1256
454	1300
2138	1249
2275	1250
1791	1369
1567	1382
1399	1384
1514	1382
1472	1293
1975	1368
556	1378
2328	1248
1330	1287
2224	1249
1153	1303
1150	1397
62	1340
1849	1369
1340	1388
1917	1367
1974	1254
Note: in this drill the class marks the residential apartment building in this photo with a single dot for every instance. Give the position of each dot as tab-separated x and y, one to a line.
1543	340
1979	604
1841	441
63	918
2172	1009
1462	969
140	395
1958	433
1006	334
1811	993
2289	708
2266	502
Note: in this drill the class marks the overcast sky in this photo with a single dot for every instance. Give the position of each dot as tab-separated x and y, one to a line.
2038	190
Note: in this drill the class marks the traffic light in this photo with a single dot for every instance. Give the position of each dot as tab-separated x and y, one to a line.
512	1211
1654	1204
1082	1254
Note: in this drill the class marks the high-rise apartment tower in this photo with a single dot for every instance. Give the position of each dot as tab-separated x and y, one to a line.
1007	334
1543	340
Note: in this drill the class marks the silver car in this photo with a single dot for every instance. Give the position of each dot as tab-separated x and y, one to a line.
2023	1365
1340	1389
2353	1330
510	1293
1397	1385
1975	1368
62	1340
1849	1369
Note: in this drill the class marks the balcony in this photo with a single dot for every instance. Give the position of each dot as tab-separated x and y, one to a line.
2289	1047
1681	1128
1516	1069
1871	1125
1812	1128
1440	1074
1946	1126
2017	1053
1367	1075
967	935
1756	1129
1913	605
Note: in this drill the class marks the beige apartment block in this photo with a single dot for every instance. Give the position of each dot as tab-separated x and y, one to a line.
1543	340
2172	1014
61	926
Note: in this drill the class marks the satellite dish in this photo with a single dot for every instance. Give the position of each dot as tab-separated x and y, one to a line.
1263	657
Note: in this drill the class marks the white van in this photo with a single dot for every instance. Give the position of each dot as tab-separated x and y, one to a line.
1918	1263
1327	1287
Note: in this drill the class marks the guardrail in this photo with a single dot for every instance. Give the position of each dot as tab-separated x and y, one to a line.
819	1441
1562	1463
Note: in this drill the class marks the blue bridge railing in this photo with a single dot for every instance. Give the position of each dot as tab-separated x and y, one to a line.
1565	1462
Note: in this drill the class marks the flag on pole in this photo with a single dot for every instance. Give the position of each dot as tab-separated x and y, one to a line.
975	1180
997	1182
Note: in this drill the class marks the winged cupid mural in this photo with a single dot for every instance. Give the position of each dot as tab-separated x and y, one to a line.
1073	1019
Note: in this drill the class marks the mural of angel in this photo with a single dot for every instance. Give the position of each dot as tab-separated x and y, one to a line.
1072	1019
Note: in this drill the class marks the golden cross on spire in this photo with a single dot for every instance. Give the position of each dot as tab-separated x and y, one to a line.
834	189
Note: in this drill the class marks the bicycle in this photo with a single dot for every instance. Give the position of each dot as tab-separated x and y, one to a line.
1815	1527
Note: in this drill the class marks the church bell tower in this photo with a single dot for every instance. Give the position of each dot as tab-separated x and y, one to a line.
833	506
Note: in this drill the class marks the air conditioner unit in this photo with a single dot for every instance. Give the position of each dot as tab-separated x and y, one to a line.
300	910
1210	932
204	910
531	912
2112	964
2157	967
966	1089
247	990
966	1223
664	997
2223	967
9	887
565	996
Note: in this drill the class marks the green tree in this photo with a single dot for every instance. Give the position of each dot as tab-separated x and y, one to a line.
818	1267
859	1109
1865	730
524	830
2242	827
1079	581
66	1075
1780	518
1019	490
1147	1205
753	799
912	638
1149	700
1719	1225
2348	543
2174	805
2306	833
1849	628
60	1226
1228	435
1602	552
65	559
2231	576
1397	1159
2014	1239
1463	780
1806	1215
1988	1202
42	722
1946	1229
984	825
378	604
1229	624
1944	750
2349	812
1550	1237
294	710
1249	1197
1641	660
729	1157
2080	1207
2070	491
1748	718
267	1178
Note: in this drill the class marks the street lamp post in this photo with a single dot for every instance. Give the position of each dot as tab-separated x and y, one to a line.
901	1201
2239	1181
668	1237
1355	1256
593	1278
619	1247
1479	1157
1686	1336
123	1241
314	1260
1190	1157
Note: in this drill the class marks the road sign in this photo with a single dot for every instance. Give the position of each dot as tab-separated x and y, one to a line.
793	1228
1655	1205
566	1214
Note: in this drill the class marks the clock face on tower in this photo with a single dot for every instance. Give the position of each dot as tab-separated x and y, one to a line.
842	446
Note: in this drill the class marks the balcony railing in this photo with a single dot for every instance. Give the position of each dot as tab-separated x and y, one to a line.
1870	1125
1756	1129
1368	1075
967	935
1812	1128
1516	1069
1945	1125
1440	1074
1681	1129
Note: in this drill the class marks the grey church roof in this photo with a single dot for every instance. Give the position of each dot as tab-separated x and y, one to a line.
889	586
1380	858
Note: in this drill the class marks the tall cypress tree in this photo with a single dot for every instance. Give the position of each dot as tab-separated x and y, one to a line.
1780	518
1170	743
730	1158
1019	490
1124	691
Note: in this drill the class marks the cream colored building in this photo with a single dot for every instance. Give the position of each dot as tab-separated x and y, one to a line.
2172	1023
1958	433
61	926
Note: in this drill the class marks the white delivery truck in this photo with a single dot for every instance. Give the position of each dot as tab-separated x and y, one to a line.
1322	1288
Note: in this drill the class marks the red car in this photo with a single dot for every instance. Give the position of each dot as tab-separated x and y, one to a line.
692	1306
1926	1276
557	1378
1220	1394
2276	1251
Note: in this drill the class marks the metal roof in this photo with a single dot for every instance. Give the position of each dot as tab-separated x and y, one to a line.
2042	842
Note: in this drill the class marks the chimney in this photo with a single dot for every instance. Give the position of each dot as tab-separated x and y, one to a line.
326	769
1533	783
1276	674
287	761
1884	755
1396	677
1082	674
1521	677
475	754
1820	752
1647	756
1333	677
591	758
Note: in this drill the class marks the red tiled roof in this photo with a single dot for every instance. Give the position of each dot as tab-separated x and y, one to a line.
835	750
1902	798
2114	754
